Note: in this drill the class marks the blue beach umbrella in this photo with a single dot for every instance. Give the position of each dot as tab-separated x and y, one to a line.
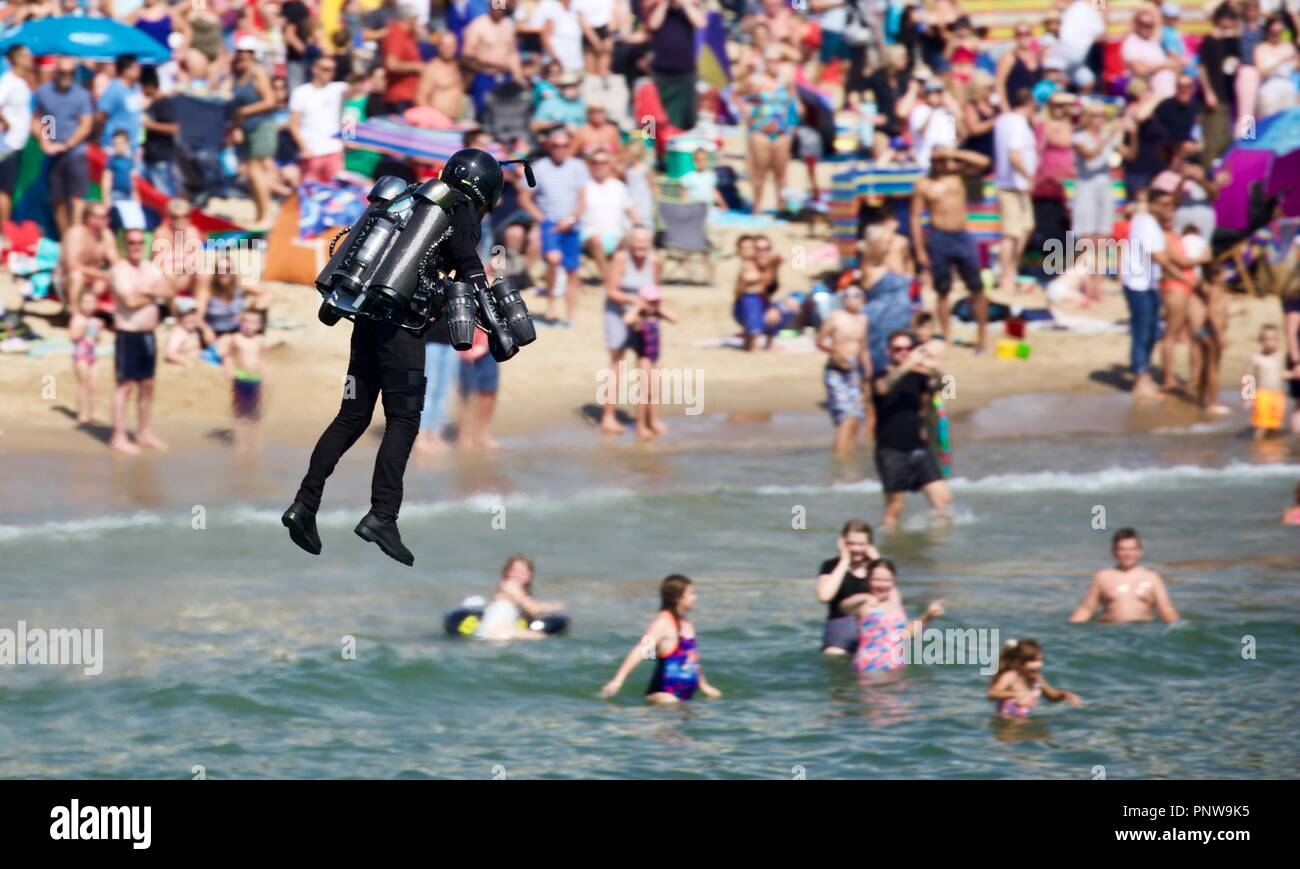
91	38
1279	133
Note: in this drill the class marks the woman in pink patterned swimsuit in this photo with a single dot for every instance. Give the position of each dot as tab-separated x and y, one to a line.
883	629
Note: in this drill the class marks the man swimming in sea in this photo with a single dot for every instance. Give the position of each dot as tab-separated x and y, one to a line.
1126	592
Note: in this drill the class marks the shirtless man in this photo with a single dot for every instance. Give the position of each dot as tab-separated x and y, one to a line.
88	253
441	84
491	51
137	285
843	337
1126	592
948	243
600	134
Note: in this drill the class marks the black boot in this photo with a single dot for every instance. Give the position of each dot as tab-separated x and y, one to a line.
301	523
383	531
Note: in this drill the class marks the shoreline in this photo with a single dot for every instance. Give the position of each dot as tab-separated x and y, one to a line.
546	392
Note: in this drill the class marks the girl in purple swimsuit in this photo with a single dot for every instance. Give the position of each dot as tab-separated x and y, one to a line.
1019	682
671	637
643	322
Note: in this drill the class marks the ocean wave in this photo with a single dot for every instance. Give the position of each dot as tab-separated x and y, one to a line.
240	514
1198	428
1114	478
80	529
1070	481
1124	478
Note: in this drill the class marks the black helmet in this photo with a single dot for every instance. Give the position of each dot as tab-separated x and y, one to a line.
477	174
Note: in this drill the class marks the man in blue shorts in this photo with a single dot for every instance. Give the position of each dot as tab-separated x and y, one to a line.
948	244
557	204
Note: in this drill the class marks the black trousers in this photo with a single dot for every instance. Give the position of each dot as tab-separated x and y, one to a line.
389	360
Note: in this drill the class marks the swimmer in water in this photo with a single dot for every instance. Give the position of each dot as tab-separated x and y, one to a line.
1126	592
842	586
512	602
1019	681
1292	515
670	639
883	628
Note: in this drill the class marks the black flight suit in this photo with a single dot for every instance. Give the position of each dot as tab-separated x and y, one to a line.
389	360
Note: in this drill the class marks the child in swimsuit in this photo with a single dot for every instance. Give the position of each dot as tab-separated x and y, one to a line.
643	323
84	331
670	639
1019	682
243	363
1269	404
883	626
512	607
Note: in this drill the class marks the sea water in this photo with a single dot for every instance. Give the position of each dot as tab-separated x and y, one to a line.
229	653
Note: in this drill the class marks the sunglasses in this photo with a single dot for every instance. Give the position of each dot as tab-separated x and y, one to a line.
853	294
900	348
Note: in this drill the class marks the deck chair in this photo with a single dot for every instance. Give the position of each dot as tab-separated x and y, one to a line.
684	239
507	110
199	144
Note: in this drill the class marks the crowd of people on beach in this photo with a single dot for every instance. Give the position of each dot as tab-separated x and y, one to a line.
1048	122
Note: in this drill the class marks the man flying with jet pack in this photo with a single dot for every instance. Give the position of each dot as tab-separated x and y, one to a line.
410	258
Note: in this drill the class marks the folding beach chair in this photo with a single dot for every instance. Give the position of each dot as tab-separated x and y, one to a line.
684	239
507	111
199	143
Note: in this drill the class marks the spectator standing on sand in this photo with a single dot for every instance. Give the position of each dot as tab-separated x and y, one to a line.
561	31
672	25
401	54
1145	57
137	285
121	105
630	270
161	129
1220	57
557	203
15	121
442	377
315	119
479	379
254	105
1015	165
63	119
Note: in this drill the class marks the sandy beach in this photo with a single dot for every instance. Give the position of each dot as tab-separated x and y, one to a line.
554	379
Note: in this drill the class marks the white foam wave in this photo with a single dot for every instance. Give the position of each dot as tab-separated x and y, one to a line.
1115	478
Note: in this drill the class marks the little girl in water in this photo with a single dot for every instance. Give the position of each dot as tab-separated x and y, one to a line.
677	663
84	331
1019	681
883	627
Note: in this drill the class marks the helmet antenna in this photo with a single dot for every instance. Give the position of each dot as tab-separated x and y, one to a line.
528	169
